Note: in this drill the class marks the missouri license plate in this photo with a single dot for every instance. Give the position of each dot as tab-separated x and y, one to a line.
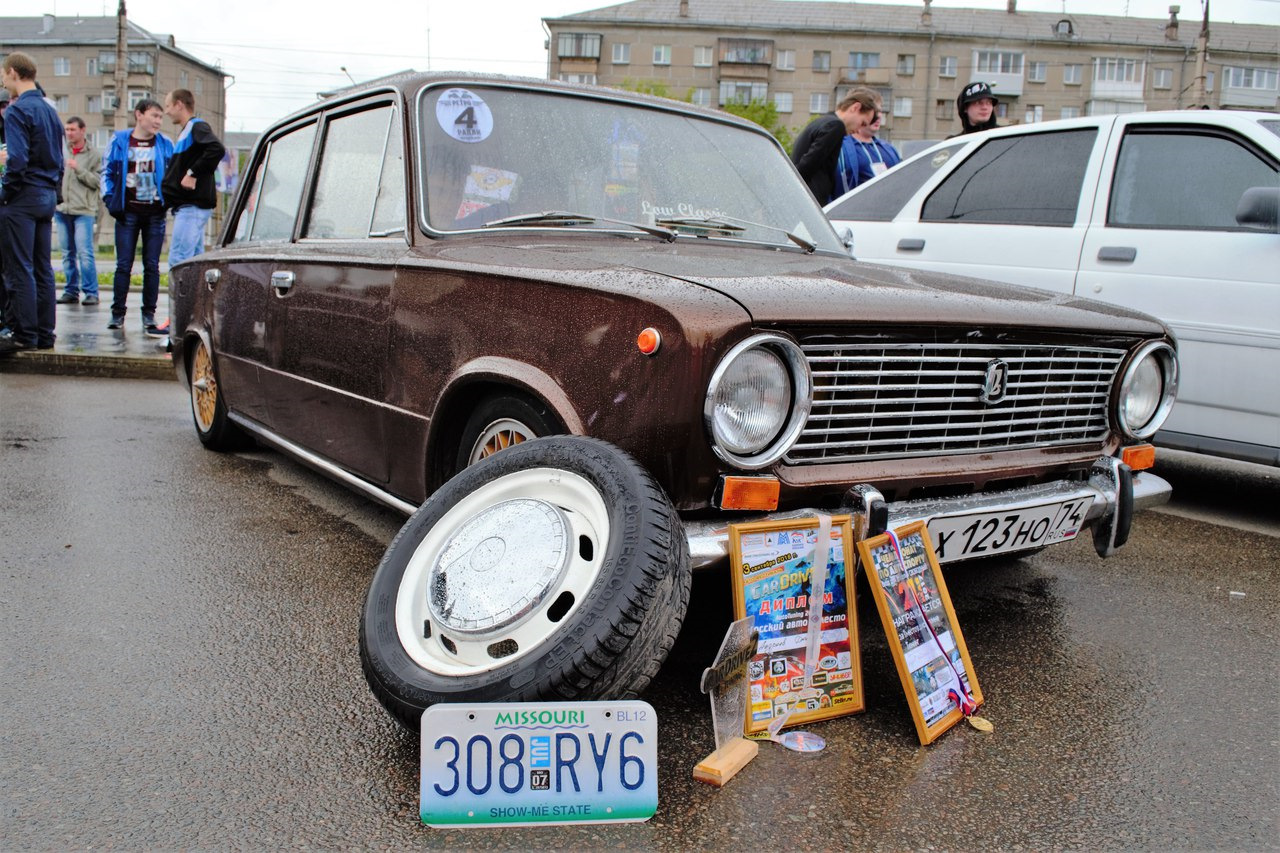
981	534
522	764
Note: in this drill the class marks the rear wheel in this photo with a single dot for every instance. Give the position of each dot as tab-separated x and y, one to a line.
208	409
555	571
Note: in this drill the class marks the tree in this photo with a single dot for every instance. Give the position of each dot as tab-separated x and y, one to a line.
764	114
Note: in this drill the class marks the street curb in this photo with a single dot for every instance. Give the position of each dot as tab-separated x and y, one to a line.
73	364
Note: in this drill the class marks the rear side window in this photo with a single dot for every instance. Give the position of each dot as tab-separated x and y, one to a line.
353	163
881	201
1175	178
271	207
1017	180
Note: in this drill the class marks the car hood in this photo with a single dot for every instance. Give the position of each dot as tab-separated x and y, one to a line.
792	287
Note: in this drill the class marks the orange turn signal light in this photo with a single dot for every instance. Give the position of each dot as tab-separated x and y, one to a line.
649	341
1139	457
749	493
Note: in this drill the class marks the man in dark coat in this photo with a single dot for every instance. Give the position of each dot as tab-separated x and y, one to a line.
817	147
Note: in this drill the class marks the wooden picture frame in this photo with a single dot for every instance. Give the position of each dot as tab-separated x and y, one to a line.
770	575
928	661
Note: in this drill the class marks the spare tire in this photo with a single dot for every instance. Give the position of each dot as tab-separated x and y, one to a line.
556	570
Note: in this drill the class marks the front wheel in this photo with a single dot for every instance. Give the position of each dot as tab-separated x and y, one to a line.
556	570
208	409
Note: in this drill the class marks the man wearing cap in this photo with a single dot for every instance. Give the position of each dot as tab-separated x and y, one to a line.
28	195
817	148
976	105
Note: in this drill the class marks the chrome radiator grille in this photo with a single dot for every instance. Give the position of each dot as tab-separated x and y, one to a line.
874	401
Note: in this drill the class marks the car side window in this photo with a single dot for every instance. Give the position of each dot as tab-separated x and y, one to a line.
389	209
881	201
1032	179
350	177
1183	179
278	186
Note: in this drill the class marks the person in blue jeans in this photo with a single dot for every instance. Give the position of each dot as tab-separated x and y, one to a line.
189	185
75	217
132	175
28	195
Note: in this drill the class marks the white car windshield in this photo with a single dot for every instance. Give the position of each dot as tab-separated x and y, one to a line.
507	157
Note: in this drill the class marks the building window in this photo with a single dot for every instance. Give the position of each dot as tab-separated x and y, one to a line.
786	60
1208	81
93	104
137	95
858	60
1062	28
906	63
579	46
590	79
822	61
109	102
1162	78
199	85
947	66
1251	78
1072	75
662	54
61	66
1037	72
1113	70
943	110
102	137
742	91
91	66
702	97
62	103
141	62
1110	108
818	103
782	102
107	62
1070	112
1002	110
998	62
621	54
746	51
902	107
1035	113
702	56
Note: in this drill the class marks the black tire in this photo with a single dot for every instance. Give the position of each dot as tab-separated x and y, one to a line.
608	645
208	408
514	419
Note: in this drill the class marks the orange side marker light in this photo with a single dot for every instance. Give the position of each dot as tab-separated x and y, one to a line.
750	493
1139	457
649	341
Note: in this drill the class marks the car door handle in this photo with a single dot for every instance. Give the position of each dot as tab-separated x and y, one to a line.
1124	254
911	244
282	282
211	278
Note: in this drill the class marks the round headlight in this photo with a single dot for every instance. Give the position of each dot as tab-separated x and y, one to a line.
1147	390
758	400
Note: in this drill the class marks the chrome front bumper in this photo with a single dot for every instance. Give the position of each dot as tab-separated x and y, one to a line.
1116	492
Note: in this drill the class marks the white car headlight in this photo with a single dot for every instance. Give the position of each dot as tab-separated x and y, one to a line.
1147	390
758	400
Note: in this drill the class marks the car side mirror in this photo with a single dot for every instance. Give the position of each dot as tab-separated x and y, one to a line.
1259	209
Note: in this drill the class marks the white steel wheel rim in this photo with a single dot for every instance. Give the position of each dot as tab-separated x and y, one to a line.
497	436
204	388
513	633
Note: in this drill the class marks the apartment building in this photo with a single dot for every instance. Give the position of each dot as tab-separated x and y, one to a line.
76	58
803	57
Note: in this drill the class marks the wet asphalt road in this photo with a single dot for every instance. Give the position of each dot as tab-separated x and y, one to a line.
180	670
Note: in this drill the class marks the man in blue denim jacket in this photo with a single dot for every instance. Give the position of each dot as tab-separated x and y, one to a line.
132	173
28	196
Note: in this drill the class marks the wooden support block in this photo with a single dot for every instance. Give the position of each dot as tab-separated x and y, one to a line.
723	764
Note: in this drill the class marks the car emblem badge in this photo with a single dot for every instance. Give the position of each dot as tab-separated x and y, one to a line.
995	383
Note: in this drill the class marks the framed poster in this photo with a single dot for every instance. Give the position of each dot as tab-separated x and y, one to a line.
772	566
924	636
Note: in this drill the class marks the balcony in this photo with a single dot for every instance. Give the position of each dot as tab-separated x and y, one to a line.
866	76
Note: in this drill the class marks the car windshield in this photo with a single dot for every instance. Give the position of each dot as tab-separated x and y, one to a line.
535	159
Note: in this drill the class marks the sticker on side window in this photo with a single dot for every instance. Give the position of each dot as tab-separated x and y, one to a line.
464	115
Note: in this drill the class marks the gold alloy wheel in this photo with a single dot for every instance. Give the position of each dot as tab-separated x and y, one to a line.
499	435
204	388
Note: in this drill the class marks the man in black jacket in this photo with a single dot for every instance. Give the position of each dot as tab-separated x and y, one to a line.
818	146
188	188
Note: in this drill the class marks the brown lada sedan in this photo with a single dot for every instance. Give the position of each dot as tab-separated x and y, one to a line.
415	276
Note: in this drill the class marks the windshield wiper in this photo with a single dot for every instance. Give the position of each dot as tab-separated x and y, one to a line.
564	218
706	223
808	247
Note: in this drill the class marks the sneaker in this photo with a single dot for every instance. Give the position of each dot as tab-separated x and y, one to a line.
68	299
90	300
9	343
154	331
116	322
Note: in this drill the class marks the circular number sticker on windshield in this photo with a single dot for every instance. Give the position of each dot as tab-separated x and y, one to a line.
464	115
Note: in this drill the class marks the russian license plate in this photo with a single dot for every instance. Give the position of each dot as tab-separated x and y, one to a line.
522	764
982	533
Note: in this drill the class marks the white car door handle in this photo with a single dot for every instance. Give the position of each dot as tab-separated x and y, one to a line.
1124	254
911	244
282	282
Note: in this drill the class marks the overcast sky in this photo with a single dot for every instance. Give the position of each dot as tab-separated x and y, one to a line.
281	53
